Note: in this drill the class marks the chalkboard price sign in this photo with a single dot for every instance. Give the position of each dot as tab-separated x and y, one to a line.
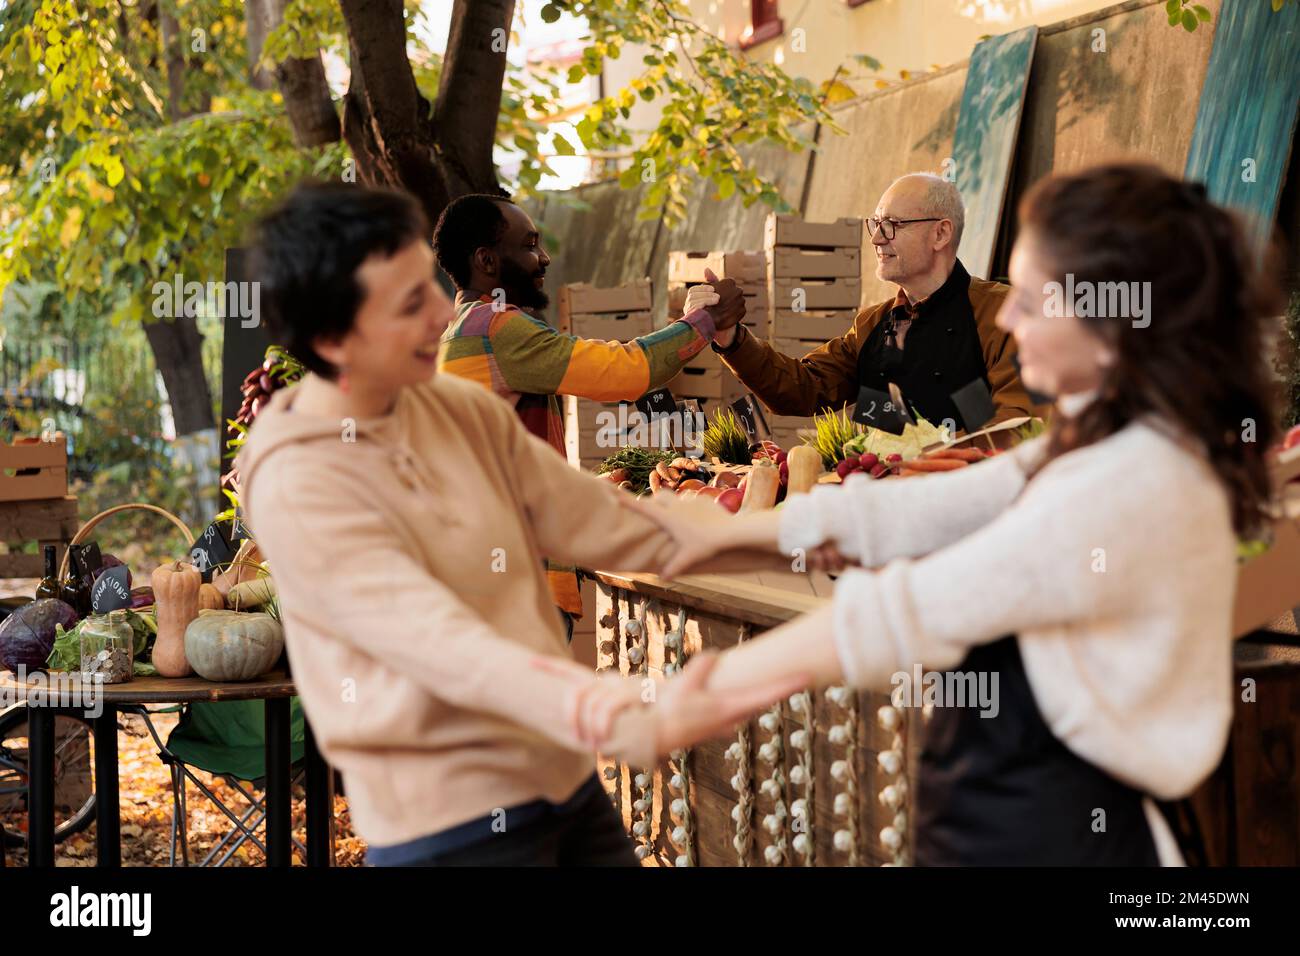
875	409
111	591
656	403
211	550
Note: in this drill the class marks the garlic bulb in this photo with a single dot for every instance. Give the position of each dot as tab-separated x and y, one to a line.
799	740
797	774
891	838
802	845
843	840
887	717
891	761
842	804
840	770
771	722
642	780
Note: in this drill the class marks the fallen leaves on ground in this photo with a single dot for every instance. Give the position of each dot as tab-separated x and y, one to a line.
144	785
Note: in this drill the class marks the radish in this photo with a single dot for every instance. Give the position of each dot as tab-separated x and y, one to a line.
868	461
846	467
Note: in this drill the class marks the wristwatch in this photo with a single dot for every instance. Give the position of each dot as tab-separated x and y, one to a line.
741	332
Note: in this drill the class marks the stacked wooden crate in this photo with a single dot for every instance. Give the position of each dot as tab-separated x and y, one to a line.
35	507
815	283
620	313
704	377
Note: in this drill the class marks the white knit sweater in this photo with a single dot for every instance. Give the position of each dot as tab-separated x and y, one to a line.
1115	567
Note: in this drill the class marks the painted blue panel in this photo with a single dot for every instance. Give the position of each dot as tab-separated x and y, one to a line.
985	141
1247	116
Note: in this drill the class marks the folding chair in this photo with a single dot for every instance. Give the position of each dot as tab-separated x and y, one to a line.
227	740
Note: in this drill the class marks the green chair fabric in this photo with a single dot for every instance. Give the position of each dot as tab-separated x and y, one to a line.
230	737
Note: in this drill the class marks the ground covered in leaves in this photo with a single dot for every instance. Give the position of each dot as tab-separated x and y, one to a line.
145	787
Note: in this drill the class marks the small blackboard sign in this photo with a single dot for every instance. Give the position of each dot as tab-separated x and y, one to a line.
751	419
111	591
210	550
875	409
656	403
975	404
238	531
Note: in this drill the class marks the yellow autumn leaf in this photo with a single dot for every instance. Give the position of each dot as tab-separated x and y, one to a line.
71	227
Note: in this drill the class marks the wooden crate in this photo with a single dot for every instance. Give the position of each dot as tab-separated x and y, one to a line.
618	326
706	382
788	262
821	324
817	293
741	266
578	298
792	231
34	468
51	521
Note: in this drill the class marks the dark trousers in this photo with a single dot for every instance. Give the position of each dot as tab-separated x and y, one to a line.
586	833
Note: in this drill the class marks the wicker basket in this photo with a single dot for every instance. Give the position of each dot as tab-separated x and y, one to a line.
84	531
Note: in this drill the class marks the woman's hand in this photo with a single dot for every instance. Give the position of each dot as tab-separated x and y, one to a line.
682	710
686	711
702	529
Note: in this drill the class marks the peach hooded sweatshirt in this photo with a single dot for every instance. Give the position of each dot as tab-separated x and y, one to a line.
408	559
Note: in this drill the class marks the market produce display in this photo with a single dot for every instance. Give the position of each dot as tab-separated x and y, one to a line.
278	370
240	638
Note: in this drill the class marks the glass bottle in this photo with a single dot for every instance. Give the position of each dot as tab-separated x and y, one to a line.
49	586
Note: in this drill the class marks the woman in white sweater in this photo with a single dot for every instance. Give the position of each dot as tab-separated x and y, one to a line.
1090	572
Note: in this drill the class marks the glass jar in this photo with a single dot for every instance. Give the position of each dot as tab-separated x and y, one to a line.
107	648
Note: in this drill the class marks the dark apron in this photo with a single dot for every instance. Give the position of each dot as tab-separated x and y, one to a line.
942	353
1004	790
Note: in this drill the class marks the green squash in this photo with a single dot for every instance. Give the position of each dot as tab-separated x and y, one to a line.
233	645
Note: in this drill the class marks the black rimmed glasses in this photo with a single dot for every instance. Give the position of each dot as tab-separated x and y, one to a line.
888	226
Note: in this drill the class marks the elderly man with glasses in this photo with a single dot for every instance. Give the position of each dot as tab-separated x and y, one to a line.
934	337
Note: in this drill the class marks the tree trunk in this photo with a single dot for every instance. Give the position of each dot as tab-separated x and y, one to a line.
178	352
174	57
302	83
257	24
395	137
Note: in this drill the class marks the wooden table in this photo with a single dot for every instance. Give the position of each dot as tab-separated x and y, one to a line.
45	703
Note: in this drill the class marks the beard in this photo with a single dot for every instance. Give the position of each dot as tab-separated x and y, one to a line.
521	287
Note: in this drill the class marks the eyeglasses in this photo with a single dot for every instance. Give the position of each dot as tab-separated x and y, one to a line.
888	226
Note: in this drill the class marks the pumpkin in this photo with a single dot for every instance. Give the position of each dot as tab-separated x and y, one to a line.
233	645
176	603
210	598
244	566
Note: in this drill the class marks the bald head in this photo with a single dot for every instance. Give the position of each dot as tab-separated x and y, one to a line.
918	246
934	196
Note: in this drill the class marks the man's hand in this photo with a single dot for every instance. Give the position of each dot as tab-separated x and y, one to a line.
730	307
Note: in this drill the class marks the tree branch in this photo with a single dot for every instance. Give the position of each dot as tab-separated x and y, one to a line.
302	83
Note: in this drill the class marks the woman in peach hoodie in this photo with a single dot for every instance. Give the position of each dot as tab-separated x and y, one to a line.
406	516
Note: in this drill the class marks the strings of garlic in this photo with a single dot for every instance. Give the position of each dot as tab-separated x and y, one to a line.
772	752
679	783
742	781
893	764
844	771
801	774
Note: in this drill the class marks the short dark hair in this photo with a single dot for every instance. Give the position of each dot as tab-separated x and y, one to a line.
307	252
467	224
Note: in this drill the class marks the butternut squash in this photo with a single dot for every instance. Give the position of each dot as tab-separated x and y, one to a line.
176	603
761	487
805	464
245	566
251	594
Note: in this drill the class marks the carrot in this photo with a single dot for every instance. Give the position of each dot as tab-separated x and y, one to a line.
955	454
933	464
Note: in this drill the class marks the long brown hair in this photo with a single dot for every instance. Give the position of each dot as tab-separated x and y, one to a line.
1200	364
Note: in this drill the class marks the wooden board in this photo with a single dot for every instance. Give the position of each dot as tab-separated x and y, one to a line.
1246	119
988	125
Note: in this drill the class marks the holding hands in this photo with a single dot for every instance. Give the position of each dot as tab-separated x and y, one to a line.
721	297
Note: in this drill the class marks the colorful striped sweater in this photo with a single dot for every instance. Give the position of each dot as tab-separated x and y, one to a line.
530	364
